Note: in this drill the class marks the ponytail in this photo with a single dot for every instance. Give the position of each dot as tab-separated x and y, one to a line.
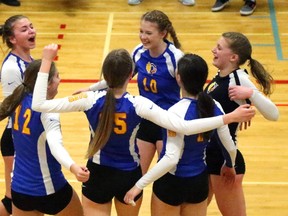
11	102
105	125
117	68
205	105
262	76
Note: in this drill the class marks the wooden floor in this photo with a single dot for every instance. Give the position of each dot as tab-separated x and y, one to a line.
88	29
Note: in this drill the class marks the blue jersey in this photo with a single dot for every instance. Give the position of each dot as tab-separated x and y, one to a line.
156	76
120	151
36	172
192	157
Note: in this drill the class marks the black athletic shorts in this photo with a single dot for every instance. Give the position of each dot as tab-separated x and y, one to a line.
51	204
175	191
7	145
7	202
105	183
215	161
149	132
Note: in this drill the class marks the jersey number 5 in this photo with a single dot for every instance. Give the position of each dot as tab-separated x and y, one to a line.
120	124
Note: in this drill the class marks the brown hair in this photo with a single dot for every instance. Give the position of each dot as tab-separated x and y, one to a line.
241	46
116	69
7	29
163	22
193	71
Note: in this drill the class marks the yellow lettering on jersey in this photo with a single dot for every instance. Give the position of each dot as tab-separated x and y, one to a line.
16	122
144	84
120	123
27	117
200	138
152	85
77	97
171	133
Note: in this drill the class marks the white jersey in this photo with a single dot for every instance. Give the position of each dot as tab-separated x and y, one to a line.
12	73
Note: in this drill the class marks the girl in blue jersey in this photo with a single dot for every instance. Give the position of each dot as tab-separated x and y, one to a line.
181	177
38	184
155	64
114	117
19	34
230	87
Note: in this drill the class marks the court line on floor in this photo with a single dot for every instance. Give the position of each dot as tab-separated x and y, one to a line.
275	31
107	38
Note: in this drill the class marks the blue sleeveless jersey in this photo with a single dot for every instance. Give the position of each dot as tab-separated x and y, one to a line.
36	172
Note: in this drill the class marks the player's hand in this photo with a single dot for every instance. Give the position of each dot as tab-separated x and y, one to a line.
131	194
228	175
240	92
81	173
50	52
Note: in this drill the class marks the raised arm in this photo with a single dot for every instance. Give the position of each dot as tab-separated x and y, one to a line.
67	104
74	103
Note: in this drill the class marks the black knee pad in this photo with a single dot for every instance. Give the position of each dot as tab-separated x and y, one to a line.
7	202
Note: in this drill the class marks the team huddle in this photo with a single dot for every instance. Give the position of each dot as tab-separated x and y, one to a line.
191	126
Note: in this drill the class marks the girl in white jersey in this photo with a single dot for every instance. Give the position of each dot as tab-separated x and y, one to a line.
231	87
181	178
113	158
19	34
38	184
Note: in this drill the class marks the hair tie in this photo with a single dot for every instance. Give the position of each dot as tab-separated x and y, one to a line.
24	84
